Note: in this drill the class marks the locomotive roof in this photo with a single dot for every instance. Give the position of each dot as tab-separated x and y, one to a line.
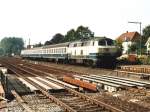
99	38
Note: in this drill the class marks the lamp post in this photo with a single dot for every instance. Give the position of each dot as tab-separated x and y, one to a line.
140	35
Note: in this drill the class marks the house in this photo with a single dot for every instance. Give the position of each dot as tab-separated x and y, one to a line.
147	44
127	39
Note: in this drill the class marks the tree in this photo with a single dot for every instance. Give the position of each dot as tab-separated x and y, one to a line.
81	33
132	48
84	33
57	38
70	36
12	45
119	44
1	52
48	43
38	45
146	34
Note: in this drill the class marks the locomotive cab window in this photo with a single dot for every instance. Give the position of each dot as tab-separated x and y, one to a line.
93	43
109	42
106	42
102	42
79	44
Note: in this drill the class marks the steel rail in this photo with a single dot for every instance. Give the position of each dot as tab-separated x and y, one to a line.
43	91
21	101
83	96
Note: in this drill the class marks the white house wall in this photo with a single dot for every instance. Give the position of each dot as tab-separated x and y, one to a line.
125	46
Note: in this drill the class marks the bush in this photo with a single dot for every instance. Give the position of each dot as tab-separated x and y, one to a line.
144	59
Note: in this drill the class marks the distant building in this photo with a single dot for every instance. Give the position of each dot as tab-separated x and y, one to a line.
147	44
127	39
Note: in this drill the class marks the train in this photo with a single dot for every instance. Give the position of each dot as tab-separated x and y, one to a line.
90	52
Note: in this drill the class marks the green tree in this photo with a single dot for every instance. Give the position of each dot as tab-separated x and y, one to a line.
146	34
81	33
133	48
84	33
57	38
70	36
12	45
119	44
1	52
48	43
38	45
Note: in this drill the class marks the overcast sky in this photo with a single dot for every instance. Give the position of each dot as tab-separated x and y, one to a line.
39	20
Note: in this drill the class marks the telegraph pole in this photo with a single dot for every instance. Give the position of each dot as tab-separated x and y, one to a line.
140	23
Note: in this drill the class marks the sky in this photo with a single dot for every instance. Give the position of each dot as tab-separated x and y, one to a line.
40	20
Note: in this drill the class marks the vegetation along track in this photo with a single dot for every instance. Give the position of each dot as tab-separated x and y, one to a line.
82	102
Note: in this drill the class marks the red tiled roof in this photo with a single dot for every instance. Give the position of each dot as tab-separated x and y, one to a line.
128	36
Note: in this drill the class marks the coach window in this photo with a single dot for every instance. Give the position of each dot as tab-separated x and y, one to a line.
81	52
59	50
75	45
79	44
65	50
93	43
86	43
62	51
82	44
71	45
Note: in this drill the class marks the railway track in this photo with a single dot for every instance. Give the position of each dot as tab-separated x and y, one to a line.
39	103
123	105
21	101
35	103
88	104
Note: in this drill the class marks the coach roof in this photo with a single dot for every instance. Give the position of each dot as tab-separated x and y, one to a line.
57	45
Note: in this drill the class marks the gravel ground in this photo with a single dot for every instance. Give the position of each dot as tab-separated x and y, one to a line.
141	97
78	68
